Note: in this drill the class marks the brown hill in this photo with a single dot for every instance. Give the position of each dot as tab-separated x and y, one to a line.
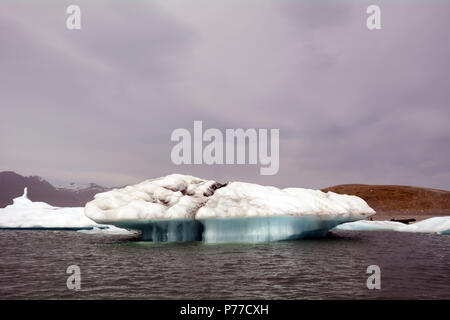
390	201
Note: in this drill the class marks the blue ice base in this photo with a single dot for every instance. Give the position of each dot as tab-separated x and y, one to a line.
225	230
165	230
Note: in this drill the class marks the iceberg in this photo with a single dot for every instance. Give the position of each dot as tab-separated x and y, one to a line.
185	208
440	225
26	214
366	225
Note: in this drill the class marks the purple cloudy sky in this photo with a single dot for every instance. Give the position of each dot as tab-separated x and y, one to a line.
352	105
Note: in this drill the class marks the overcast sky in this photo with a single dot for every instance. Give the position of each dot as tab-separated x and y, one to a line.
353	106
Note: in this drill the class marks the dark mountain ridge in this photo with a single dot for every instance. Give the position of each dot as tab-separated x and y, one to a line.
12	185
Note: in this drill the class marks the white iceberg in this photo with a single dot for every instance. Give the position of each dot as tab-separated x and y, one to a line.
26	214
366	225
439	225
185	208
432	225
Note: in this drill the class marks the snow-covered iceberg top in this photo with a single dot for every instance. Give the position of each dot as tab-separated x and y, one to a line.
439	225
24	213
179	196
239	199
23	202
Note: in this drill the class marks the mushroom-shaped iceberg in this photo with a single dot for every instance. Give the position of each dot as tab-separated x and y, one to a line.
185	208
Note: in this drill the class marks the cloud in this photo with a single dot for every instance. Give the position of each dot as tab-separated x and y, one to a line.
352	105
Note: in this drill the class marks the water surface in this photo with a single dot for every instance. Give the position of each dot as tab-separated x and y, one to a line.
33	265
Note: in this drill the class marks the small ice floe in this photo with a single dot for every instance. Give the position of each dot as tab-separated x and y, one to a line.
26	214
439	225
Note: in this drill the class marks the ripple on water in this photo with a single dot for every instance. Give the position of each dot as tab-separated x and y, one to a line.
33	265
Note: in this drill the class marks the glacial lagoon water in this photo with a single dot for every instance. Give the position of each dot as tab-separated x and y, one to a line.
33	265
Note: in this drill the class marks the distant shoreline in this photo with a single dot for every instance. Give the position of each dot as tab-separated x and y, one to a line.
399	202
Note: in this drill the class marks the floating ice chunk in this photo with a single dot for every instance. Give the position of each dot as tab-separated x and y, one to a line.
365	225
26	214
432	225
186	208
